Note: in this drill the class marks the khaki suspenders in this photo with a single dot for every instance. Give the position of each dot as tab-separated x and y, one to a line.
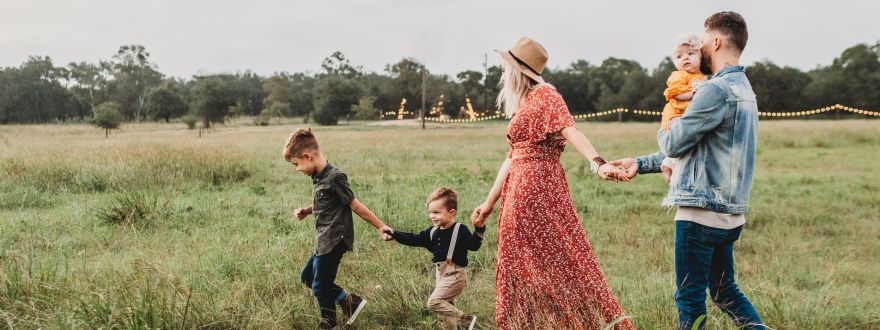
451	242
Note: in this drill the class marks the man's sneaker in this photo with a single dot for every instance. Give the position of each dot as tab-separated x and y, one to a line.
468	321
352	306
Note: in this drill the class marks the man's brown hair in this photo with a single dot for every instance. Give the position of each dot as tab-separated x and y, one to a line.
731	25
450	200
300	142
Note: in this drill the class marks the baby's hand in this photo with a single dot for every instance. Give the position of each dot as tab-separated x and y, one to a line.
672	121
477	223
696	84
667	172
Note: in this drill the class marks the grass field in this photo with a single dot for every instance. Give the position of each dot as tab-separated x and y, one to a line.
158	228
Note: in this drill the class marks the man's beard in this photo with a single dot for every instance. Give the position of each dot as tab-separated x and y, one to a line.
706	65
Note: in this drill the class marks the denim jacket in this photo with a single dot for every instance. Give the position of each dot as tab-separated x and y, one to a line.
715	143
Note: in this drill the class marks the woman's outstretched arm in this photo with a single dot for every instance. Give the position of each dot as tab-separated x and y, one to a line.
484	210
583	146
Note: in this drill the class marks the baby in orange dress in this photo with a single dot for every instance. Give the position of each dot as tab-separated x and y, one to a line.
681	86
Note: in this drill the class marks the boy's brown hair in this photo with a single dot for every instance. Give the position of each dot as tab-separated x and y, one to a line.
450	200
300	142
732	25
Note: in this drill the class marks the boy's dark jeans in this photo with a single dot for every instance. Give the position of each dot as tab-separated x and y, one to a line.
704	258
319	274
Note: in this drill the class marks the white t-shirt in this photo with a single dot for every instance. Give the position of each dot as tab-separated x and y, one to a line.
709	218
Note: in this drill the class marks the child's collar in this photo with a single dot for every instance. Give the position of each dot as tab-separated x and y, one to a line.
450	225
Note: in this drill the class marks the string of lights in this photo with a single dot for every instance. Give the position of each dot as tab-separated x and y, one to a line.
820	110
658	113
465	120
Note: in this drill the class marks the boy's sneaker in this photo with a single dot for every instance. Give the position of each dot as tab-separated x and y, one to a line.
326	325
468	321
352	306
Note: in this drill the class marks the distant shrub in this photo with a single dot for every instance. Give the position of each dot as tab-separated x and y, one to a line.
364	110
107	116
263	118
190	121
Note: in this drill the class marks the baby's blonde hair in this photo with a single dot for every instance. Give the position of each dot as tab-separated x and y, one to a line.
687	39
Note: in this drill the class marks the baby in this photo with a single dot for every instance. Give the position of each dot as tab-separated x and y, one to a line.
681	86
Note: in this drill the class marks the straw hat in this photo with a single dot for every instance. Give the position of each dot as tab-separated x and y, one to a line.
528	56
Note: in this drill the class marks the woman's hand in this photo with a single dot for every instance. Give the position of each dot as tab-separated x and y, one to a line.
629	165
478	218
613	173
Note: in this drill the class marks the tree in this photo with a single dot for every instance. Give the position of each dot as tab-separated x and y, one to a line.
336	90
446	94
165	102
364	109
852	78
133	76
249	93
302	94
33	92
336	64
407	75
472	84
107	116
652	98
493	77
89	81
620	83
777	89
37	91
278	94
577	85
383	89
334	96
212	97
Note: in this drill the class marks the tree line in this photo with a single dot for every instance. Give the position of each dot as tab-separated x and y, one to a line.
129	86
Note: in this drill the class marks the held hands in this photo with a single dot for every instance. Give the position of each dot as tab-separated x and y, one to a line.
478	218
612	172
385	233
628	165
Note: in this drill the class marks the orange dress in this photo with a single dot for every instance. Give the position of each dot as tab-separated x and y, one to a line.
679	82
547	274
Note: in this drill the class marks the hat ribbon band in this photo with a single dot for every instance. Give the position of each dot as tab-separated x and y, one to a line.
523	63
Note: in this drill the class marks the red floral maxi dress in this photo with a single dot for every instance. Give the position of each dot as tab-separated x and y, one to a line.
547	274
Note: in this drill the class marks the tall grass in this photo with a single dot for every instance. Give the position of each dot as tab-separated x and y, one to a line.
158	228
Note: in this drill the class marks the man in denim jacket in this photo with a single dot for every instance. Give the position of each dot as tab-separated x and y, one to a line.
715	142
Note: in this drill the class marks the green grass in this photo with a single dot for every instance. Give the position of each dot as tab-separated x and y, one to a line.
158	228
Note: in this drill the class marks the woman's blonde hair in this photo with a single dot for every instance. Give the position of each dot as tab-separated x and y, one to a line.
514	86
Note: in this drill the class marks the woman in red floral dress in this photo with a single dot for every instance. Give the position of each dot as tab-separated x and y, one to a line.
547	275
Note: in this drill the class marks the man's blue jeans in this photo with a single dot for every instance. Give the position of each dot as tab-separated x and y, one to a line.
319	274
704	258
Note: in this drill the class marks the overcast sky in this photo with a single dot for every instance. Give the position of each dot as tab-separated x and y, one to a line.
189	37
